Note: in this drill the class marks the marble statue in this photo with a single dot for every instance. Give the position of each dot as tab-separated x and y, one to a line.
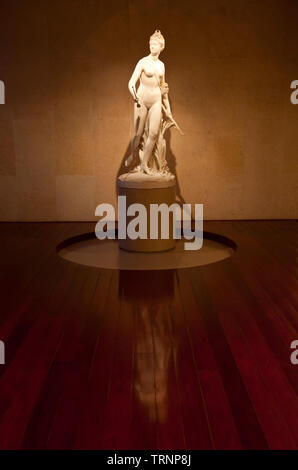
152	112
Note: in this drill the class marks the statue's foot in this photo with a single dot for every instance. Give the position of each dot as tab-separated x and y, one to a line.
145	169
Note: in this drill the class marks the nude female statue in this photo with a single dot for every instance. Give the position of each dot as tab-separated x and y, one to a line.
150	98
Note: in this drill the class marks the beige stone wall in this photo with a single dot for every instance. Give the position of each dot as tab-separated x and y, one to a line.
67	121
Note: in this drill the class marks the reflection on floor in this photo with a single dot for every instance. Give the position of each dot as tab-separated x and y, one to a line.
151	294
193	358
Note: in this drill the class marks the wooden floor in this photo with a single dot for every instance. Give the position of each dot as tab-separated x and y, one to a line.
188	359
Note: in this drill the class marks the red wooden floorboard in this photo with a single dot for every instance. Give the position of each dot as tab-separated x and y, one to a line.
252	359
118	410
249	429
198	434
72	361
90	431
222	423
170	426
189	359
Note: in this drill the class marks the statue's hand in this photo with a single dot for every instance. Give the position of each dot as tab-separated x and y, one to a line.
137	101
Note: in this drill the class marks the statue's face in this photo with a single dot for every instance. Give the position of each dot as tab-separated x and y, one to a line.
155	47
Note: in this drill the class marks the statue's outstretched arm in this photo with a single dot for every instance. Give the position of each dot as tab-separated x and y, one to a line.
134	78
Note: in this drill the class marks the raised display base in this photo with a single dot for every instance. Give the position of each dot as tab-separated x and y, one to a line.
148	189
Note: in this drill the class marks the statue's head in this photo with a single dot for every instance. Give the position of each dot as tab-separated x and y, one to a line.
157	42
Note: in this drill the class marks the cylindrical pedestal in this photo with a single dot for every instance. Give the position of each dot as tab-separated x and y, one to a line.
146	189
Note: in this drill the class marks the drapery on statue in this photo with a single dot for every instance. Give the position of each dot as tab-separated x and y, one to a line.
152	112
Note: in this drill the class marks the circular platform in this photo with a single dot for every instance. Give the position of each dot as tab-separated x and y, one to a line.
86	249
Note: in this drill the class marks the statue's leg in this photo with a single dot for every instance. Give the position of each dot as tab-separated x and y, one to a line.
154	118
140	115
